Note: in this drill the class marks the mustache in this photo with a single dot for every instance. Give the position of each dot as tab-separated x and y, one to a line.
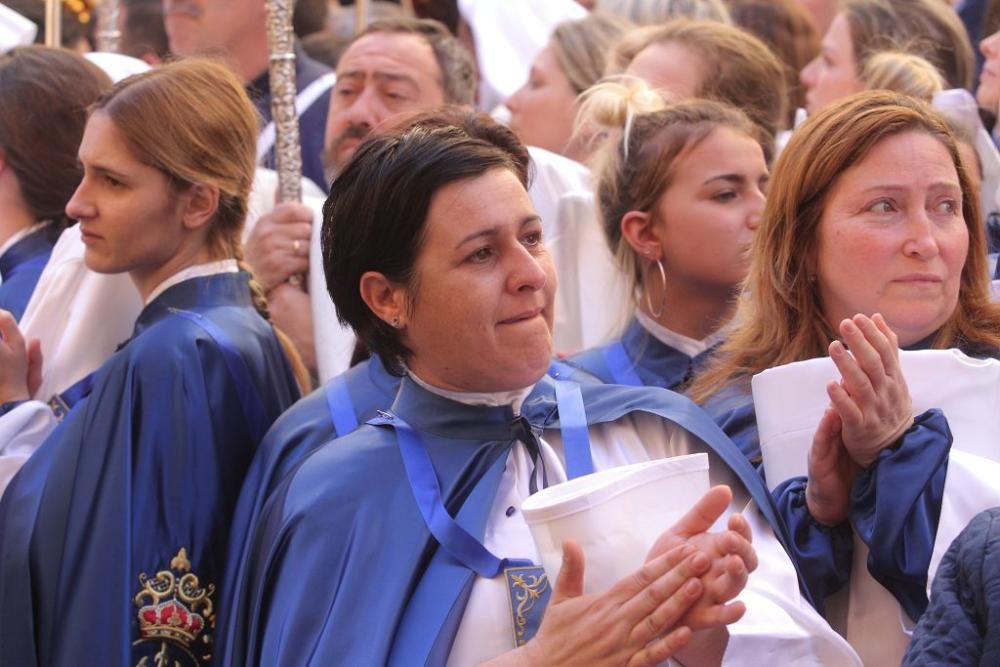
182	7
330	156
352	132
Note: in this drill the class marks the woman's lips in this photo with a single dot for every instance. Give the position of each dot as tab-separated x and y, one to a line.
522	316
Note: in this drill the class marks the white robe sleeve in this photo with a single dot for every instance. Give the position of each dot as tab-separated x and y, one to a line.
593	302
79	316
22	431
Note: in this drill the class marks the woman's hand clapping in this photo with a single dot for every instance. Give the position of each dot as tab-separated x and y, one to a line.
872	399
687	584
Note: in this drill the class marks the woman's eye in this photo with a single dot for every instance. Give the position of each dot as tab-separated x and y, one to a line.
113	182
724	197
481	256
949	207
882	206
533	239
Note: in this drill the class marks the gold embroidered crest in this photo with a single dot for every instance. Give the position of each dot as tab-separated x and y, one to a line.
175	610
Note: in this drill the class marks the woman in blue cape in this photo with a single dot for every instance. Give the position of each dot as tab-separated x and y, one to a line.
113	534
404	542
680	193
44	95
875	247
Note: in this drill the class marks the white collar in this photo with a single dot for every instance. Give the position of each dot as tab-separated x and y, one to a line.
27	231
196	271
689	346
513	398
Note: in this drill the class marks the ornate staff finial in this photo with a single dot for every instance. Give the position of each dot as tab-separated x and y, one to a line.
287	150
53	23
109	38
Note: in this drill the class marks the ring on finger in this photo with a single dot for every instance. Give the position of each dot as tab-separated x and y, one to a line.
297	246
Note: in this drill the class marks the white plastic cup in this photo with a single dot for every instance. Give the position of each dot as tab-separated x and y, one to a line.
614	515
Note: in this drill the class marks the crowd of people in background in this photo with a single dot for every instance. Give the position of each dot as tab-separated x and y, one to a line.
538	240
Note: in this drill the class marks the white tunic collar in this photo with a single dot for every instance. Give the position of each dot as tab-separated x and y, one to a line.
513	398
196	271
688	346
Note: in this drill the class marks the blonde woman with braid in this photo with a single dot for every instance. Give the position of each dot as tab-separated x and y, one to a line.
680	189
122	514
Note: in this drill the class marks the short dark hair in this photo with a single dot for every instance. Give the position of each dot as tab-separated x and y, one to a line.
458	69
375	216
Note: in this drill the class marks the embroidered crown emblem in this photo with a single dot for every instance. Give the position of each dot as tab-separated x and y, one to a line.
173	605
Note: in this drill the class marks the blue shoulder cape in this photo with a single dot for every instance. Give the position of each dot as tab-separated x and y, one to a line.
639	359
21	266
113	535
332	411
340	567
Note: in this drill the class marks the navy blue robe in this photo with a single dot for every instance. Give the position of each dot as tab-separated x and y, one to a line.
649	361
895	504
123	513
21	266
341	568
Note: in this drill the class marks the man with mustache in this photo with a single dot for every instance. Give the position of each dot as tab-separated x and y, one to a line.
236	30
394	66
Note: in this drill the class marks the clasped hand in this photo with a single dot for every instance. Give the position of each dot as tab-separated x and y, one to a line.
870	408
278	247
687	584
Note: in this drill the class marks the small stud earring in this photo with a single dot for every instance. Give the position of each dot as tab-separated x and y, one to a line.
395	323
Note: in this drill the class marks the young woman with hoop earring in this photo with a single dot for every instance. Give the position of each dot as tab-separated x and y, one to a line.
680	191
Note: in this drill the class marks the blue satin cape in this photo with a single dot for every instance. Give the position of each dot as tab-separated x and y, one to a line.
341	568
21	266
639	359
150	462
332	411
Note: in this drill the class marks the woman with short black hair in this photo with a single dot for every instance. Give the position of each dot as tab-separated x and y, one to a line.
408	532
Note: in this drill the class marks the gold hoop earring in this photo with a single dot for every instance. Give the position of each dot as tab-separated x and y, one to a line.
663	281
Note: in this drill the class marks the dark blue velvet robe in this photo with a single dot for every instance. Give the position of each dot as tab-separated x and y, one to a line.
341	568
21	266
150	463
652	362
